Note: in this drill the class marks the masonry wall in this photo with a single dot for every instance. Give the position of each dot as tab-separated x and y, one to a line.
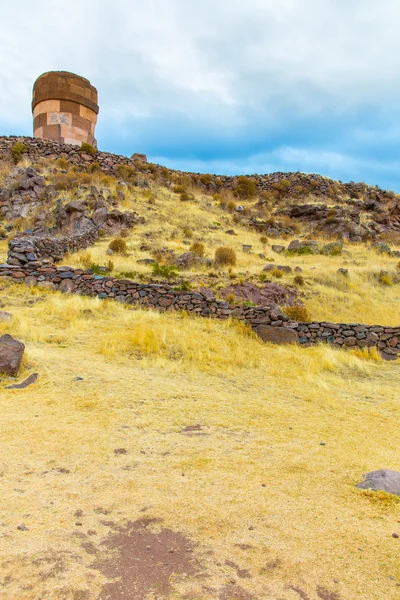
33	270
65	109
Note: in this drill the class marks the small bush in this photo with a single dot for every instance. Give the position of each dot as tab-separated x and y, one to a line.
185	286
184	197
206	179
398	266
118	246
231	206
299	280
165	271
109	266
198	249
246	188
18	150
277	273
263	277
62	163
126	172
86	259
282	188
187	232
225	256
179	189
297	313
88	149
385	278
264	240
95	167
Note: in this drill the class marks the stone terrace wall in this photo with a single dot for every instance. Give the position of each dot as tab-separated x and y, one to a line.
29	250
311	183
164	297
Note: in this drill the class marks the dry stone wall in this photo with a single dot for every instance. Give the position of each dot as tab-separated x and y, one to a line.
310	183
30	250
163	297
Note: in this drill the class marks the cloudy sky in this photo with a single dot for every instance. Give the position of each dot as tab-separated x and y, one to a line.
222	86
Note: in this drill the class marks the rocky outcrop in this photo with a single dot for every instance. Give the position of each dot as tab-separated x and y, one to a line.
24	191
295	184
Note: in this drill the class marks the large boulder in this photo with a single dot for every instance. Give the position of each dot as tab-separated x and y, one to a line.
277	335
11	352
385	480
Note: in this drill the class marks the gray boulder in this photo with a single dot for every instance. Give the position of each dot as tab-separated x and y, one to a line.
11	352
385	480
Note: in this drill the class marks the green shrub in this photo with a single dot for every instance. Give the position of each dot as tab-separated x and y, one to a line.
118	245
333	249
303	250
185	286
297	313
88	149
246	188
165	271
198	248
263	277
18	150
225	256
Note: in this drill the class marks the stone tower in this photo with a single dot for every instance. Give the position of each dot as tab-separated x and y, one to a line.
65	108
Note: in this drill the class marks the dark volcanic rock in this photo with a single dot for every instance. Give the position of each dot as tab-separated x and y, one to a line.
11	352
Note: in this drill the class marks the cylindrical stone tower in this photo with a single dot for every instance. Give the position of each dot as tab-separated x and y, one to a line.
65	108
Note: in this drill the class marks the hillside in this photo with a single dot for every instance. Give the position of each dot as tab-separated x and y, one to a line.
164	455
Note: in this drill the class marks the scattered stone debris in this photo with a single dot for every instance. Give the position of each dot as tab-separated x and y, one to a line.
26	383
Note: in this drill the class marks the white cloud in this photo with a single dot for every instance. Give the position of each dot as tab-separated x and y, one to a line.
223	68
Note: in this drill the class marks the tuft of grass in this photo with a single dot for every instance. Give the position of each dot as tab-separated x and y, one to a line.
297	313
18	150
118	245
88	149
225	256
164	271
198	248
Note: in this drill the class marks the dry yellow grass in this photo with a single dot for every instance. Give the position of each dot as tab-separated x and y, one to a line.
328	296
257	488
